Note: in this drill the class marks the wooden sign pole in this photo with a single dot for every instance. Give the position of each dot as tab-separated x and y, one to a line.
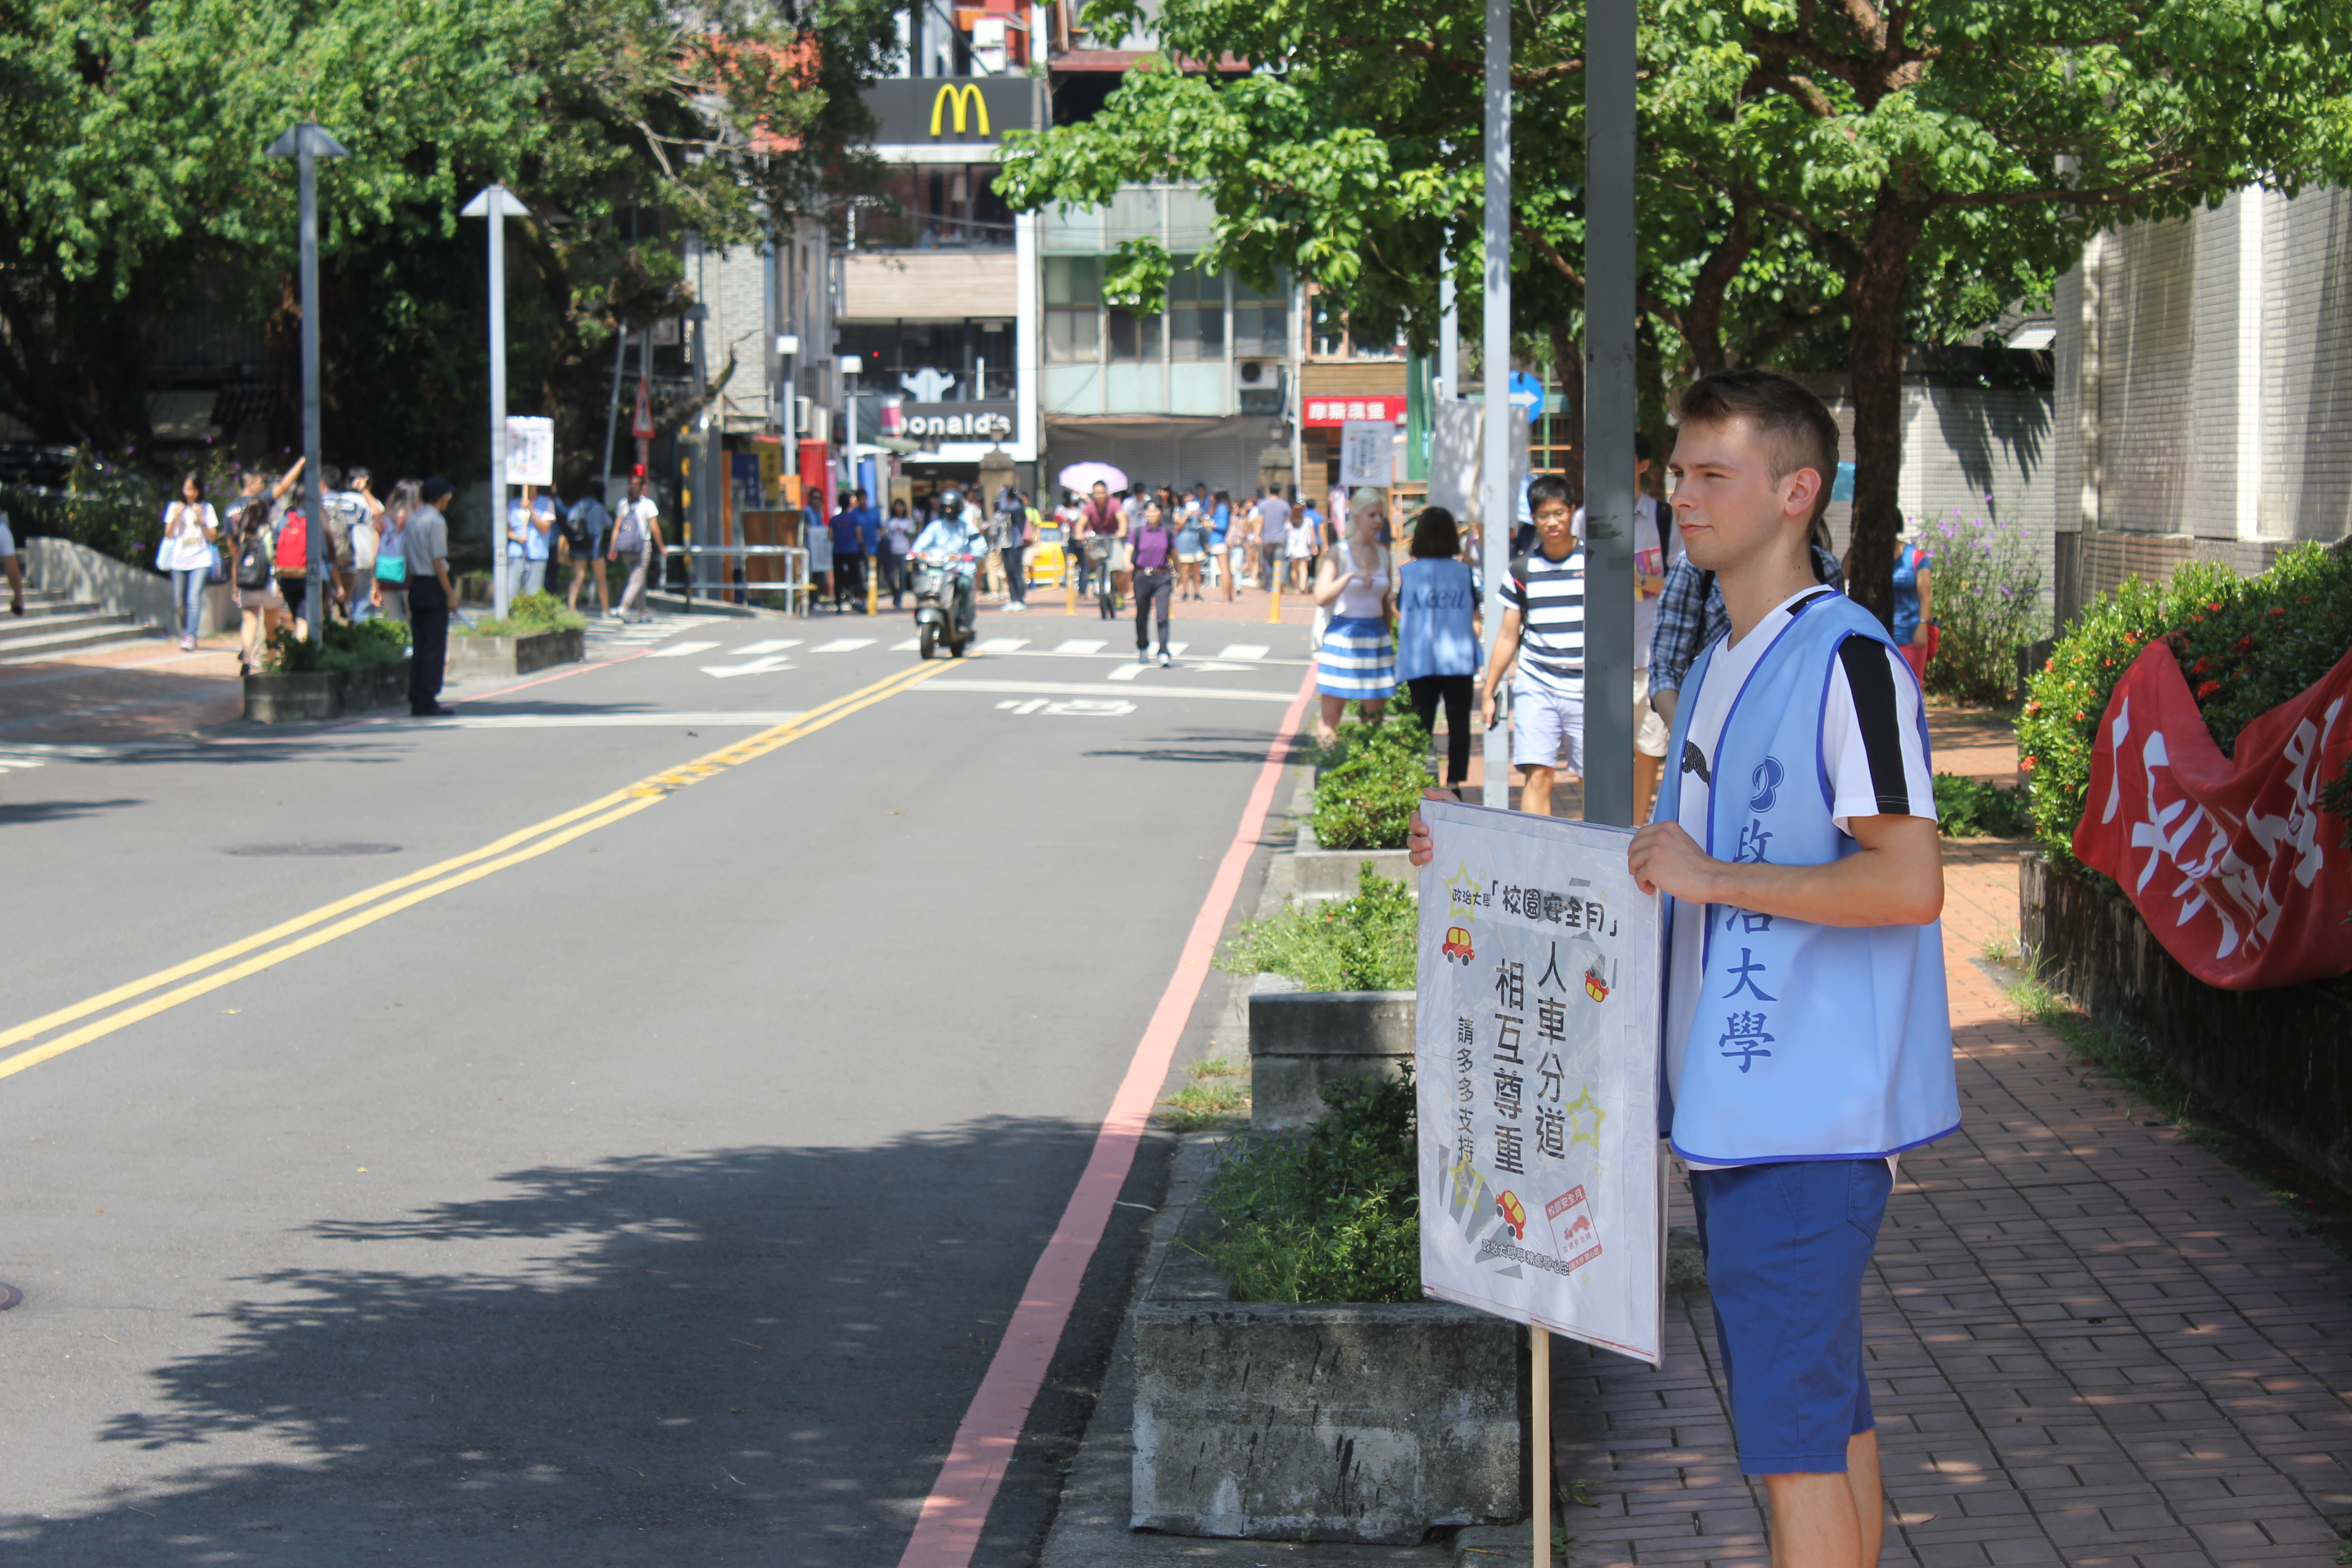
1539	1438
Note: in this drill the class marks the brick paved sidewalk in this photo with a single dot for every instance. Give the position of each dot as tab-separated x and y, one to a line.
2092	1342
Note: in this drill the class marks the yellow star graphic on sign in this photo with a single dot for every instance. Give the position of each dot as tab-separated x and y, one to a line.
1461	880
1584	1118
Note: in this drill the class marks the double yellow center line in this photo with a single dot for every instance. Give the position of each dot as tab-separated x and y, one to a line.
148	995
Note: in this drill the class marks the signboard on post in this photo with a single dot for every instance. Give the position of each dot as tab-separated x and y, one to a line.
1368	453
1543	1185
530	450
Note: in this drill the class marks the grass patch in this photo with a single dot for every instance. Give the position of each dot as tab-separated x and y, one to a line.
1371	784
1977	809
2129	1076
1218	1093
528	616
1334	1216
1367	942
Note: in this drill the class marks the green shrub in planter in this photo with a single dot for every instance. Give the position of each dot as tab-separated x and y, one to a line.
2245	645
528	616
346	645
1332	1217
1367	796
1364	943
1979	808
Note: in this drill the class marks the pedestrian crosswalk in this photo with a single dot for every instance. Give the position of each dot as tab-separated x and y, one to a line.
661	639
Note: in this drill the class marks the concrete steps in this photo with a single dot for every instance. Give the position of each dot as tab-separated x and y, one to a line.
52	624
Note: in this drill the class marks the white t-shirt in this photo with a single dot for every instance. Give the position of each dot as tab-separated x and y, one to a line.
1650	561
1847	736
191	549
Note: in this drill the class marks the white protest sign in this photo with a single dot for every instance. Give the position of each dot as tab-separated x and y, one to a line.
1368	453
530	450
1542	1183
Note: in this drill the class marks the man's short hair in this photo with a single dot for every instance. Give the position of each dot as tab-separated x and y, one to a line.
331	478
1792	425
1641	447
434	491
1550	486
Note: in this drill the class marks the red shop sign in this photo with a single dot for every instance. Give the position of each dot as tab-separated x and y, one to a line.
1336	411
2231	863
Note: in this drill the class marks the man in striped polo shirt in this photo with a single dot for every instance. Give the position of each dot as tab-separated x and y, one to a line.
1543	634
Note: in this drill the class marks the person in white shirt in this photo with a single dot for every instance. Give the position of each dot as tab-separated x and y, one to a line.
193	529
636	539
1656	547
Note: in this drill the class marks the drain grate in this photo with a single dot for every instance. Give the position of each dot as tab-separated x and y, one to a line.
272	850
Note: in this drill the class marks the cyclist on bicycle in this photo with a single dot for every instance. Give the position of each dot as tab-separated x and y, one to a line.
1102	521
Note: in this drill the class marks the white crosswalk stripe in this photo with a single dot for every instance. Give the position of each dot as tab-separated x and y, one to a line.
1004	645
909	646
774	645
1081	645
842	645
1245	650
681	650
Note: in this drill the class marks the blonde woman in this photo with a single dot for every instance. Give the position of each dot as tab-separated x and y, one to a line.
1357	583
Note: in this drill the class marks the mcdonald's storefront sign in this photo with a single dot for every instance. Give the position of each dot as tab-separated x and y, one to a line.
914	111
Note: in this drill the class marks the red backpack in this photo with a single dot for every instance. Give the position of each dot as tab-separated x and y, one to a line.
293	543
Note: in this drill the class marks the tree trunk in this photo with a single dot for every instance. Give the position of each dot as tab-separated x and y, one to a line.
1702	322
1875	361
1568	364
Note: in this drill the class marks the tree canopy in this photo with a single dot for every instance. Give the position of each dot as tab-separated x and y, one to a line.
138	132
1822	181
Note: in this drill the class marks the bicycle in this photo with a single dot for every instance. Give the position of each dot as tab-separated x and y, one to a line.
1098	559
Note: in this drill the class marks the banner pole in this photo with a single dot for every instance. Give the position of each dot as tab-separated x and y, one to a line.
1539	1438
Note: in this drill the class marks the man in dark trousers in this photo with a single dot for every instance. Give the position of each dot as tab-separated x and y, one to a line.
425	541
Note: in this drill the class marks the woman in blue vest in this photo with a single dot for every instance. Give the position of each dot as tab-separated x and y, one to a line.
1807	1042
1437	635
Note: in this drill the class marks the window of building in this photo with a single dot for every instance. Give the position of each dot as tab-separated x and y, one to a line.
933	362
1196	313
1133	336
1073	307
1261	319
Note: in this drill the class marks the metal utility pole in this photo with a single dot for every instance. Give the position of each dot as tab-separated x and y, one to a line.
1609	412
1495	496
704	474
497	204
306	144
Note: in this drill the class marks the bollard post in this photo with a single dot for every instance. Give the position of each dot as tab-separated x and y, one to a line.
1274	611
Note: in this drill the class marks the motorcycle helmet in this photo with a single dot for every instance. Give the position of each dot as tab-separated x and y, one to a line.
951	503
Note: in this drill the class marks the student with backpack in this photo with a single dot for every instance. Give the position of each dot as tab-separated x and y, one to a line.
585	524
637	538
251	554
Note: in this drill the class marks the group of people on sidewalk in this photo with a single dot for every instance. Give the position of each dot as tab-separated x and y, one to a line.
543	533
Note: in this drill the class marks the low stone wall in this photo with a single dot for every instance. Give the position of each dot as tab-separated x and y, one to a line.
2278	1060
1274	1421
1301	1040
487	658
321	696
120	588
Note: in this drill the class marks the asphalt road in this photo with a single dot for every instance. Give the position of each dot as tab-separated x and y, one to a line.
652	1190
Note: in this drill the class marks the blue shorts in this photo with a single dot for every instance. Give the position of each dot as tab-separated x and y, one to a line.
1786	1246
1546	728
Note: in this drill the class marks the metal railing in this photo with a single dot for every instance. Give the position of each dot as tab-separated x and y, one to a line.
695	579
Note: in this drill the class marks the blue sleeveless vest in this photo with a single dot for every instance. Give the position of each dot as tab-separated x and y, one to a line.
1810	1042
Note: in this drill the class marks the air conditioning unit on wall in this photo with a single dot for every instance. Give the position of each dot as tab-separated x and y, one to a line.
1262	386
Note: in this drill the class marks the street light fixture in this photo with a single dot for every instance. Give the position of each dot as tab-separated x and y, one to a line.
307	144
497	204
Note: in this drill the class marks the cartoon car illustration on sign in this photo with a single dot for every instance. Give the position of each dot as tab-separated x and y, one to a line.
1596	983
1458	944
1515	1215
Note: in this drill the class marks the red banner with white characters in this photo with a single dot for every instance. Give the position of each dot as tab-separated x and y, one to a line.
2231	861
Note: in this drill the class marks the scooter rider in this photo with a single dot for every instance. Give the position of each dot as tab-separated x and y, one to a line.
960	543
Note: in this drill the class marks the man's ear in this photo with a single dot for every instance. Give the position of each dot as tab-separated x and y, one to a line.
1800	491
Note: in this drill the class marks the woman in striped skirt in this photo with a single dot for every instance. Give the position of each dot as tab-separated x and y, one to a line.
1357	584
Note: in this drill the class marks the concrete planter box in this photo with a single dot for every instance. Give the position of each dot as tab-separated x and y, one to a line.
2275	1060
1301	1040
482	658
1374	1423
316	697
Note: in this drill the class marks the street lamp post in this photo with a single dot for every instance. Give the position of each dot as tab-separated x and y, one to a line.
497	204
1609	412
307	144
704	467
1495	512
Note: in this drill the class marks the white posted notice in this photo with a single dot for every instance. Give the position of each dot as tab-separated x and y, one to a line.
1542	1185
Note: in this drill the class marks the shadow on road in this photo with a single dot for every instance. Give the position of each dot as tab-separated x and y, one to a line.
26	812
747	1354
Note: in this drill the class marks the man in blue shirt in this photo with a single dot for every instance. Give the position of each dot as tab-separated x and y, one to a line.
962	543
848	555
531	526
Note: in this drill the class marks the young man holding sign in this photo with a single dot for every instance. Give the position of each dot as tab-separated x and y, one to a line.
1807	1042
